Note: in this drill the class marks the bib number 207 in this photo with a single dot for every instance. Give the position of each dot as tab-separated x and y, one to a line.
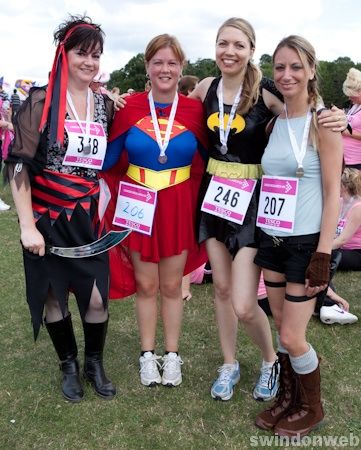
273	205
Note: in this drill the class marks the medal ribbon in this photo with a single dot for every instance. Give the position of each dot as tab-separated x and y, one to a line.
86	132
224	133
299	152
162	144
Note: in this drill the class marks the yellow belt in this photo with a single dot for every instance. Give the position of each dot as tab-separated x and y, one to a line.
233	169
158	179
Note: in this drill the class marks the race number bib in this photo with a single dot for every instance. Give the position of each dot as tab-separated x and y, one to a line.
228	198
85	150
135	207
277	203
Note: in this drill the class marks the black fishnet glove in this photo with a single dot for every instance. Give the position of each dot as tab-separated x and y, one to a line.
318	271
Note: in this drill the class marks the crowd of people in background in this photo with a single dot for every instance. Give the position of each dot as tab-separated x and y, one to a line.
209	153
8	109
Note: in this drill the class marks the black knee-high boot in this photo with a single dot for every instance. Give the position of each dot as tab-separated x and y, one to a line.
94	336
62	336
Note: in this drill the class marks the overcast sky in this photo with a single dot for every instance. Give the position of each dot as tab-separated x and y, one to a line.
27	49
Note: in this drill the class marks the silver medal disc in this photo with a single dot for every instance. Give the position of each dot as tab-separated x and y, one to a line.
300	172
162	159
86	149
223	149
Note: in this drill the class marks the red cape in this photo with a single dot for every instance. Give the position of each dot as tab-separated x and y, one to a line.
189	112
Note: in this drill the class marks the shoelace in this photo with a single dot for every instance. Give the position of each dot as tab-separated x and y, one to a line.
170	363
273	376
225	373
152	361
265	377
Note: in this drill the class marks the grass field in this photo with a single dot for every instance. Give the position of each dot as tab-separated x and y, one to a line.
33	414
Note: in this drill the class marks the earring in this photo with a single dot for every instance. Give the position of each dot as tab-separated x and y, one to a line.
147	76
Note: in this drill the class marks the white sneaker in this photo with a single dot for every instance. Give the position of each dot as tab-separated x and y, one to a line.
172	373
335	314
4	206
149	373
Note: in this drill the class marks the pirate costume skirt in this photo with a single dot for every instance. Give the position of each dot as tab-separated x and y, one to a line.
66	212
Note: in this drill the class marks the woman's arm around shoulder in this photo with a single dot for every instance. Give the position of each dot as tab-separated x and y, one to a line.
272	102
271	96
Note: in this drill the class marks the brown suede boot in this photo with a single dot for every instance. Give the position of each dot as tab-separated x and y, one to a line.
309	415
287	397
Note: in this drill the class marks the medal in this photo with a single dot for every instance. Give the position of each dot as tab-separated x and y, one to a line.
162	159
300	172
223	149
162	143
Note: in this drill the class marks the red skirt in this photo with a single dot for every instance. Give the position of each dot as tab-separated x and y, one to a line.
173	231
173	225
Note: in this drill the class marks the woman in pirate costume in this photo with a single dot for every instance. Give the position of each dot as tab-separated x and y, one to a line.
60	143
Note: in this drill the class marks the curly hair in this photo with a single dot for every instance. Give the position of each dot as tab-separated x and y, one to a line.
351	180
88	37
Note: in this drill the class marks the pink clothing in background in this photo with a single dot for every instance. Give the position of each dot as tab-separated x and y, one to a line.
7	137
352	147
355	242
197	275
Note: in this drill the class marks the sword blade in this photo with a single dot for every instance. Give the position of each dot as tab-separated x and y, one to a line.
105	243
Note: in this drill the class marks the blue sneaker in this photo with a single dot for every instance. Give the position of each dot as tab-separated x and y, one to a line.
268	382
229	375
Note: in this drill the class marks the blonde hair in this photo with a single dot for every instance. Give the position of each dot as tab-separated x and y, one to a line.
164	41
253	75
307	55
351	180
352	85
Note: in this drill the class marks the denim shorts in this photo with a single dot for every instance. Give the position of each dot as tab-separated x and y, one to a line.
287	255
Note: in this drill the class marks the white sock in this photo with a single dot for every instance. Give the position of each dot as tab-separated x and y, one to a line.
305	363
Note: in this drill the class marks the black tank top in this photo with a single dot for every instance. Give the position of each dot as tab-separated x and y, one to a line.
247	138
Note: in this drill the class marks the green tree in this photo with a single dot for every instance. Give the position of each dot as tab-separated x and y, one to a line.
202	68
332	76
265	64
131	76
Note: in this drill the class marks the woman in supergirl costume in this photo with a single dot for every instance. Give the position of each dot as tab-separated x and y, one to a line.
161	133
